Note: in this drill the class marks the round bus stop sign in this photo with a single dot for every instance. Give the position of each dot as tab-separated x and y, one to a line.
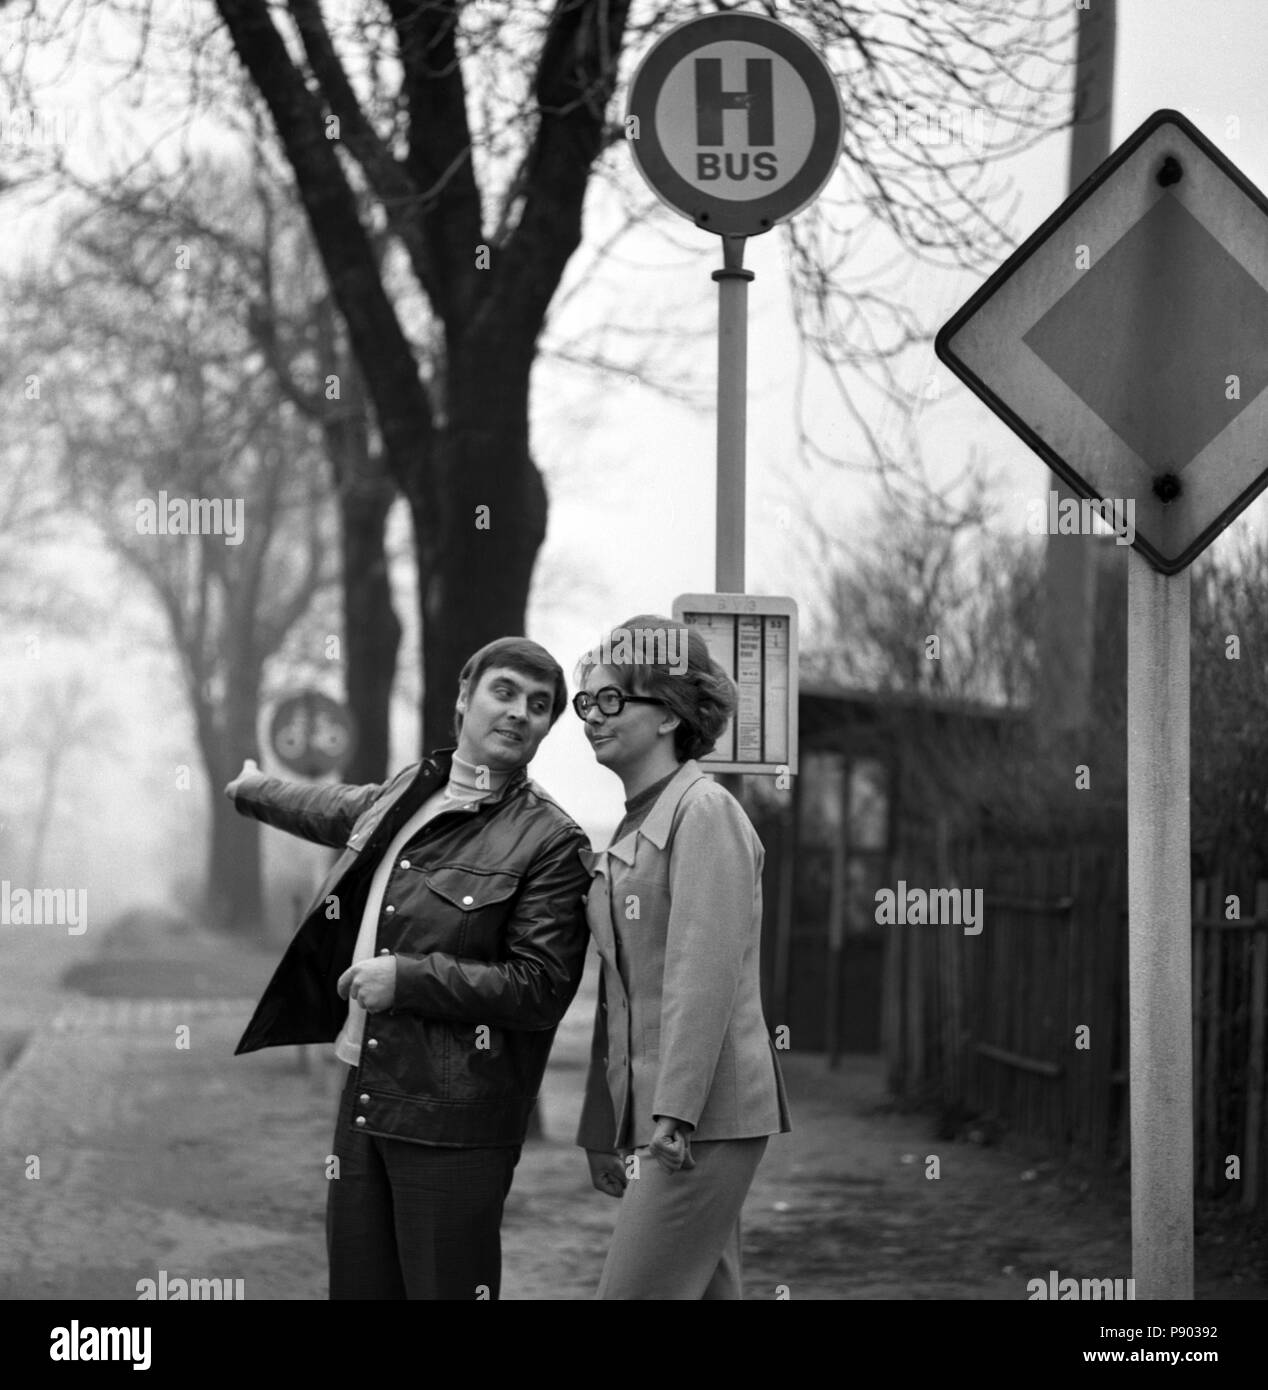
311	734
735	121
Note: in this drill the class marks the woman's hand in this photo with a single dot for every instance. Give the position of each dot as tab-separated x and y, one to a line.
671	1144
607	1172
249	771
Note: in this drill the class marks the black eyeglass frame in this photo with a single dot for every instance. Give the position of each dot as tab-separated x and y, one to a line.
622	699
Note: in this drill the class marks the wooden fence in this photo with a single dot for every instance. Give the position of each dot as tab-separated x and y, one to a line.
1025	1024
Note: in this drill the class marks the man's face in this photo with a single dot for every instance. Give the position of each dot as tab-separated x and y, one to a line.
504	719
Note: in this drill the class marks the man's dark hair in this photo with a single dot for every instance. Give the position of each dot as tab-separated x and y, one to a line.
517	654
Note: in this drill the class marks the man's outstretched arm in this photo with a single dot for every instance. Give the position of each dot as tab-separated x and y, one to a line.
324	815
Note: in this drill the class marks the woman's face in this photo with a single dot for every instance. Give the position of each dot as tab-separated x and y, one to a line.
621	741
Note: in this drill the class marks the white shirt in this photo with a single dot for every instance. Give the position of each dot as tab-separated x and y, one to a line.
462	789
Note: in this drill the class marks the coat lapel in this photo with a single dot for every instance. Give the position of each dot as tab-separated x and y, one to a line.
605	865
599	903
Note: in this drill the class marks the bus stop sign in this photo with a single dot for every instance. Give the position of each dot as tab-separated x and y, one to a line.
735	121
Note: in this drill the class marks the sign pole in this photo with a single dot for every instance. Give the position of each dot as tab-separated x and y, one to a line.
733	281
1159	959
736	123
1092	342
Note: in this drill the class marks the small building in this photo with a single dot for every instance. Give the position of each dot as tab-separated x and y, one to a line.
884	778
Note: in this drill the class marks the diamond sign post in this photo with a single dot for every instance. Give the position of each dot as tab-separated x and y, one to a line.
1126	342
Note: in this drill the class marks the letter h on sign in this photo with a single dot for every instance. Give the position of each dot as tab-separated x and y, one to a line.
711	101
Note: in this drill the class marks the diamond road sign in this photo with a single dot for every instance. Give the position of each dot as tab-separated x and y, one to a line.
735	121
1126	341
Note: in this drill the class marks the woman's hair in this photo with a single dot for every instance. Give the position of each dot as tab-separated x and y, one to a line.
670	661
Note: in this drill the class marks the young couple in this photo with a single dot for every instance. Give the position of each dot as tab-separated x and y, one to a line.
448	940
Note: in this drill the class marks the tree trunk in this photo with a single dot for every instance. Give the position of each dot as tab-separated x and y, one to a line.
232	895
53	755
475	581
372	631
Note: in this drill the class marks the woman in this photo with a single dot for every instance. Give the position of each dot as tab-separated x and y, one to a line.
683	1089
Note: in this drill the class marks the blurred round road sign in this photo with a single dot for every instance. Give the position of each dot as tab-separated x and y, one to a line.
311	734
735	121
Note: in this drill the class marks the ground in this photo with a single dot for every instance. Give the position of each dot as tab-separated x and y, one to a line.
154	1155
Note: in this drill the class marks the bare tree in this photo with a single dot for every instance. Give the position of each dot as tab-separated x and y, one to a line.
246	215
470	133
64	721
927	604
176	440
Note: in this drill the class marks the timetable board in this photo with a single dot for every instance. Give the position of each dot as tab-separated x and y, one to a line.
754	639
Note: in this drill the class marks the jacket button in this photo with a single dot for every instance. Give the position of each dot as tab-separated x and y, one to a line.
404	863
363	1098
389	908
360	1119
467	900
372	1043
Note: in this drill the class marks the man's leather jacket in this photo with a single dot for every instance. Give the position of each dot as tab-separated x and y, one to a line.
485	913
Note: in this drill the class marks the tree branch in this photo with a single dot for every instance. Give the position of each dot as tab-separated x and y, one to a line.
390	368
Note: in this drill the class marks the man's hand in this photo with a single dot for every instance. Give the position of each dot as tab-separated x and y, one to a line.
607	1172
249	771
372	983
671	1144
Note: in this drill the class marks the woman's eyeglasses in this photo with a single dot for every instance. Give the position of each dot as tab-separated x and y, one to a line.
610	700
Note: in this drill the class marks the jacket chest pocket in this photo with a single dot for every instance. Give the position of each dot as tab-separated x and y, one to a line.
474	907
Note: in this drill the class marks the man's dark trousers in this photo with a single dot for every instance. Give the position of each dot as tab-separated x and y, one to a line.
410	1220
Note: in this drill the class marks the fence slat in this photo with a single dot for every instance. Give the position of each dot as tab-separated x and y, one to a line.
1251	1148
1201	949
1215	1023
990	1020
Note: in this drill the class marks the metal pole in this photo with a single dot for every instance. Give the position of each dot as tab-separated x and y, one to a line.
732	413
732	426
1159	963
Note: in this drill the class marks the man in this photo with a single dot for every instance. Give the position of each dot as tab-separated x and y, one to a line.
454	925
